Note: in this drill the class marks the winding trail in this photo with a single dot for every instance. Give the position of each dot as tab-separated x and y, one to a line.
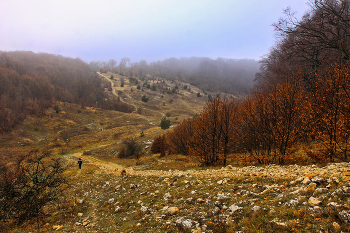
271	171
132	102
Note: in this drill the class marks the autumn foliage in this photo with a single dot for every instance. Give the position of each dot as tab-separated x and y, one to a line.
160	145
268	126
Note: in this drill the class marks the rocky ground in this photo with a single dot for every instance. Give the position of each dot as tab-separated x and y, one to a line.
249	199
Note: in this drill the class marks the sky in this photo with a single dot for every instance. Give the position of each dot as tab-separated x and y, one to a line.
143	29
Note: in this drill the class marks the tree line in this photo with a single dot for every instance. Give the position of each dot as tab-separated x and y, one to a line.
31	83
301	98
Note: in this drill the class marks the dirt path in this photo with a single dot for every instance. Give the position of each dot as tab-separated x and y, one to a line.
271	171
132	103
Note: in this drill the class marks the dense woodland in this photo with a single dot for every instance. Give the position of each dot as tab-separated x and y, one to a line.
234	76
301	100
30	83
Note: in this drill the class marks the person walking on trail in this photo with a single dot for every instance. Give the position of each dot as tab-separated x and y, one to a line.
80	162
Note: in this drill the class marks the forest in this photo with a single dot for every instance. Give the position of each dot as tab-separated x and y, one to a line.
301	100
30	83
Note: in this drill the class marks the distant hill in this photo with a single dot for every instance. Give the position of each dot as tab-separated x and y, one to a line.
30	83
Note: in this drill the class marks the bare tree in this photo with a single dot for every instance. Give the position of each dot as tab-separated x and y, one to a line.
112	64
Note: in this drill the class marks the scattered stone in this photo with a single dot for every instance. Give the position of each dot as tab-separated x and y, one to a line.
315	211
314	201
80	214
110	201
321	190
233	208
147	210
256	208
80	201
77	223
293	202
345	216
167	196
200	200
311	187
117	208
133	186
173	210
185	224
229	167
279	222
197	230
57	227
306	180
336	226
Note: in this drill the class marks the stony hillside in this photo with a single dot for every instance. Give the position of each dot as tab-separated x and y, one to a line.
249	199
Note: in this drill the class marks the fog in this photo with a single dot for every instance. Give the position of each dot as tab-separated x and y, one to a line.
143	29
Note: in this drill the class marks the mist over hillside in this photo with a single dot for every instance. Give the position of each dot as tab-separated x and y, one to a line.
234	76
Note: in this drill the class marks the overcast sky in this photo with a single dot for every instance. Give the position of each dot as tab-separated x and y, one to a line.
143	29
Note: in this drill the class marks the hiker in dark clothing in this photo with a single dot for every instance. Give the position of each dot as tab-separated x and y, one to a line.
80	162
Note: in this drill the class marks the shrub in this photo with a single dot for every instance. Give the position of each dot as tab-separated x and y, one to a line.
148	86
112	77
198	94
132	147
29	185
142	134
210	98
164	123
138	87
121	153
160	145
57	109
144	98
122	85
185	87
153	87
36	129
79	110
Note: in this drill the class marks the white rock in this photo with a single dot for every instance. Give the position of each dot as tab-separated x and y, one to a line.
233	208
256	208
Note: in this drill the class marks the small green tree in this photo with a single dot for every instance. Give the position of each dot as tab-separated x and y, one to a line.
144	98
112	77
153	87
138	87
198	94
164	123
185	87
